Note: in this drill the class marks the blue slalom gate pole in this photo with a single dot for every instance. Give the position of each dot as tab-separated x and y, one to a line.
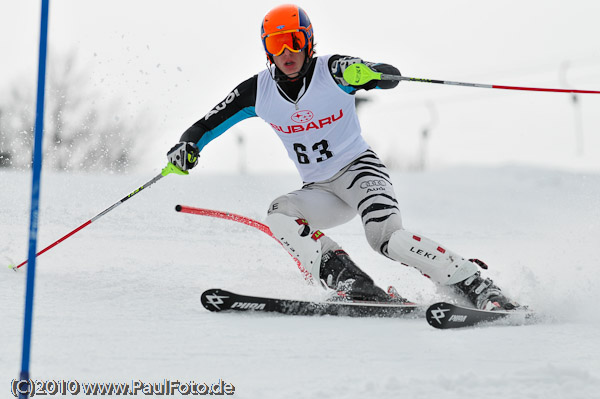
24	384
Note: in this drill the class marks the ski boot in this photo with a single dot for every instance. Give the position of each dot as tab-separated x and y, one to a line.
484	294
396	298
341	274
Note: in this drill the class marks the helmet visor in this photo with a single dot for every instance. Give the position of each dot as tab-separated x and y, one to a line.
276	43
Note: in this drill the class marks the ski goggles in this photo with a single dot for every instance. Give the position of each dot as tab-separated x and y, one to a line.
276	43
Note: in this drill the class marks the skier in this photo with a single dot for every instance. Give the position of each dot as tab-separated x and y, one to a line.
310	106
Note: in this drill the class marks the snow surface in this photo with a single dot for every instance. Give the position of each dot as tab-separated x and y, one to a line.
119	301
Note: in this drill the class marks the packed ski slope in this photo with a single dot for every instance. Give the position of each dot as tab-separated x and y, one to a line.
119	301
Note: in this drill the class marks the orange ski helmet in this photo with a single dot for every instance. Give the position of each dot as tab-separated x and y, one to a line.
287	26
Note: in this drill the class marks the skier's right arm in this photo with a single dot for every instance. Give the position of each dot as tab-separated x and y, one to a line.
237	106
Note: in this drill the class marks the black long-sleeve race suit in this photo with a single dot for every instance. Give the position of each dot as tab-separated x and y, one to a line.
239	104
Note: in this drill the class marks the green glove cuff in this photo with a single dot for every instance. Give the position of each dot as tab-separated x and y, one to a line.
360	74
170	168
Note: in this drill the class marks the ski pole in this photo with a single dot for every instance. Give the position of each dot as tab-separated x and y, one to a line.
170	168
359	74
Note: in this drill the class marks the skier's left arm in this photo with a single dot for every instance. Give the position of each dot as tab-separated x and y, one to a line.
339	63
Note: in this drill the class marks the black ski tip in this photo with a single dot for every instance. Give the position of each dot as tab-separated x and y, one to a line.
216	300
446	315
178	208
437	314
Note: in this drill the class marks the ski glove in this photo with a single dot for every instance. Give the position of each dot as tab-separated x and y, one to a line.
339	66
184	155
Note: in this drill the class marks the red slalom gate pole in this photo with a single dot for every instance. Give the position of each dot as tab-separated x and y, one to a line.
244	220
225	215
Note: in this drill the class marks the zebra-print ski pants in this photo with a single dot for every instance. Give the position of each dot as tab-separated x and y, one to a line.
363	187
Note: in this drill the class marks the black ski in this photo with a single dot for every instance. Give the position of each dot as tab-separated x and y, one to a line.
218	300
445	315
